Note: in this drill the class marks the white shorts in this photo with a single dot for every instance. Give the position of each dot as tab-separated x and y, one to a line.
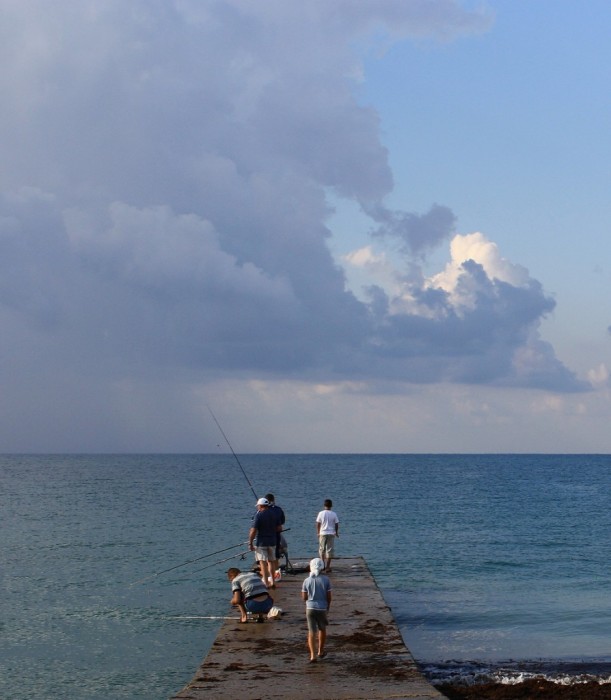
265	553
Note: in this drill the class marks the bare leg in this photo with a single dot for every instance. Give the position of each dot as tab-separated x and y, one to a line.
322	638
265	571
312	645
243	612
273	567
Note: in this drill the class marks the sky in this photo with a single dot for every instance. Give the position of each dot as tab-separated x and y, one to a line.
349	226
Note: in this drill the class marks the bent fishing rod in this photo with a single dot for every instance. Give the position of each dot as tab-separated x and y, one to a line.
211	554
218	425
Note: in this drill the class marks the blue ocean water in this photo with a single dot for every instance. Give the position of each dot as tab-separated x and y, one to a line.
495	566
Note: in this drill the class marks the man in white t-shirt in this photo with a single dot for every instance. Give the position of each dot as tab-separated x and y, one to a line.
327	528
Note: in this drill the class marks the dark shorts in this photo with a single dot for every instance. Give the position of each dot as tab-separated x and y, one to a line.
262	606
317	619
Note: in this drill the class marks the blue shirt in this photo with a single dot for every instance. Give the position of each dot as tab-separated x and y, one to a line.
266	525
316	587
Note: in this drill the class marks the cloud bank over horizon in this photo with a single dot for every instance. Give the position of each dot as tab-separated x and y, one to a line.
164	208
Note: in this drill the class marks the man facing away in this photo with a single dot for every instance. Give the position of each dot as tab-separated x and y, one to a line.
281	518
249	594
316	591
262	539
327	528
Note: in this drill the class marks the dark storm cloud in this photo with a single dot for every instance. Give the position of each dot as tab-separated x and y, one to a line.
163	198
494	341
417	234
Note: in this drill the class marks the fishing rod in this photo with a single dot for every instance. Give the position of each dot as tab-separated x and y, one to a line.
242	555
192	561
189	561
218	425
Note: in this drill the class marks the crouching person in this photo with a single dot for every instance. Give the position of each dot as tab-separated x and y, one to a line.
250	594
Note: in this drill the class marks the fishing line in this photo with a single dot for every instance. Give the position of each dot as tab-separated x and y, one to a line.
200	617
242	555
189	561
254	493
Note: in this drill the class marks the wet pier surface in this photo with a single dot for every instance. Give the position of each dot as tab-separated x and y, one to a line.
366	656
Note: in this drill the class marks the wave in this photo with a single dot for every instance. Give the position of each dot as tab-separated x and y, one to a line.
466	673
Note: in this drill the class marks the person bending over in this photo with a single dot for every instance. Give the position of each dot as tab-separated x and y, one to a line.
250	594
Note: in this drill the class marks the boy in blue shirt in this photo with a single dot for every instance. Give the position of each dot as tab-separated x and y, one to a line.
316	592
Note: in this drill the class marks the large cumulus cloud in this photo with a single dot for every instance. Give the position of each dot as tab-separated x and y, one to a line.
477	321
164	209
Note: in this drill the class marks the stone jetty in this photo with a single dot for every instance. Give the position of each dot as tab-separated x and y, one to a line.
366	656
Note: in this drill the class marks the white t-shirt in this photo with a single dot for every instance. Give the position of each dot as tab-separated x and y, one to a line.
327	519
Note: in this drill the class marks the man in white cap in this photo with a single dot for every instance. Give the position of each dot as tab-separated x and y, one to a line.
262	540
316	591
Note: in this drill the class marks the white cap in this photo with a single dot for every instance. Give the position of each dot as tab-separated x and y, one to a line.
263	502
316	566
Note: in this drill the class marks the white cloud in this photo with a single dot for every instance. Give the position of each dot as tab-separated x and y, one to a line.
475	247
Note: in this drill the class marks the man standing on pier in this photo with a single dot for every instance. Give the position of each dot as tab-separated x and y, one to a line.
327	528
281	518
262	540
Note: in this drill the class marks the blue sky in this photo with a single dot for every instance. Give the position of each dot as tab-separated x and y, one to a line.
346	227
510	129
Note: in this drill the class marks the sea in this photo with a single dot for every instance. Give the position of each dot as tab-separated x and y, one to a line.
496	566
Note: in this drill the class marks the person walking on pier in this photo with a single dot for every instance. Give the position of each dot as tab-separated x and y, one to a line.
327	528
250	594
262	539
316	592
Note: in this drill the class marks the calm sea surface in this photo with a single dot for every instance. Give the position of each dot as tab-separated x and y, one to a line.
494	565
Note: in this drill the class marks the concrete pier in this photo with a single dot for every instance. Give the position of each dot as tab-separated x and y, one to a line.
366	657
